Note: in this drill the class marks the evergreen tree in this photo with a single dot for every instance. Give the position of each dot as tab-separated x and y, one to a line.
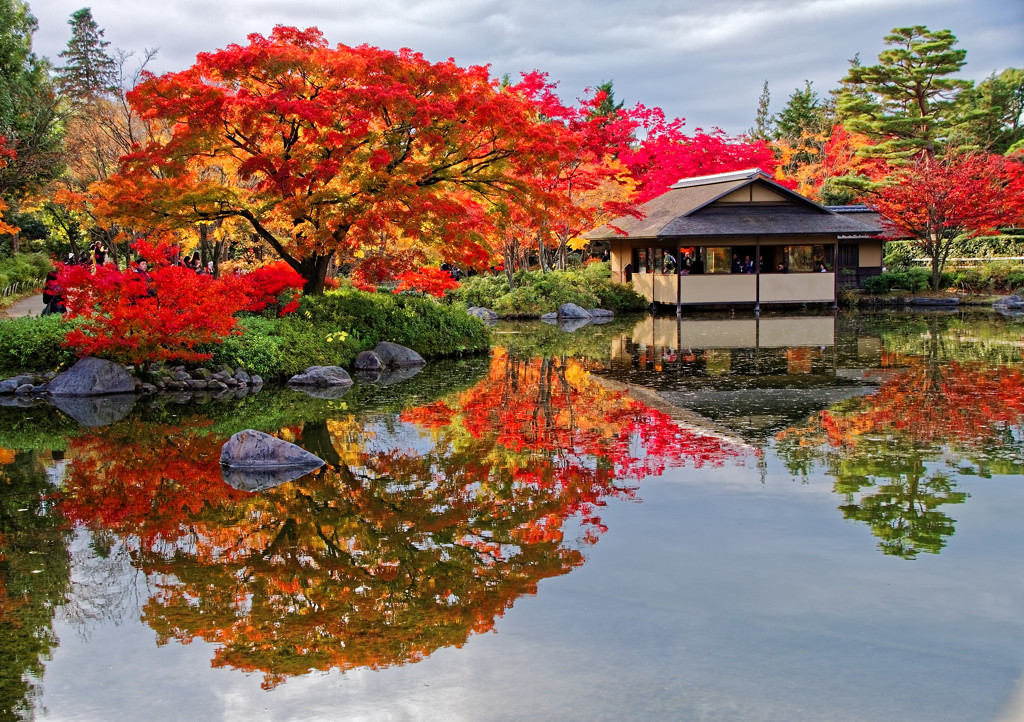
990	116
763	123
89	71
607	108
804	115
906	102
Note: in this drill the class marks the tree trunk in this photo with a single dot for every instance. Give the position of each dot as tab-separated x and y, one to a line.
314	270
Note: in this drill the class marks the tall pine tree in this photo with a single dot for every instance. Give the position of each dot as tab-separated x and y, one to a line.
89	72
907	100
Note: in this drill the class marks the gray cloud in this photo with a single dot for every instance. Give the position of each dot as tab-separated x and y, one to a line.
702	61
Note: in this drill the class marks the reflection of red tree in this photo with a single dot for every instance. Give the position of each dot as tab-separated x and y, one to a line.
397	549
150	480
960	404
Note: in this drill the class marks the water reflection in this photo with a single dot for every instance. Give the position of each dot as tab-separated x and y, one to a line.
424	528
34	577
893	408
450	495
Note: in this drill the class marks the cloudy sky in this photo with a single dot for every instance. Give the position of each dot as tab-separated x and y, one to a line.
703	61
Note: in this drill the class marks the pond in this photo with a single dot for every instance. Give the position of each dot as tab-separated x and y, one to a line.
709	518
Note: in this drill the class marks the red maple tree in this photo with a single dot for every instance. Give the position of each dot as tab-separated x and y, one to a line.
937	202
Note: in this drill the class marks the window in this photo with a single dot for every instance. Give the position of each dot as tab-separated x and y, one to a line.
807	259
718	260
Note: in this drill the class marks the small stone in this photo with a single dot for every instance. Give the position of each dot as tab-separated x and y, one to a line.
368	361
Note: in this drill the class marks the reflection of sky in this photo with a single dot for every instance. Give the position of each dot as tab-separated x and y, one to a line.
717	597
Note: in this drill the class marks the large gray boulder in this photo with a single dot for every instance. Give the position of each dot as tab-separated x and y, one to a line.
322	376
92	377
484	314
395	356
251	449
571	310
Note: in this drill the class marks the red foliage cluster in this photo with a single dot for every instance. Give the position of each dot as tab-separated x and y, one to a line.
427	279
165	313
276	284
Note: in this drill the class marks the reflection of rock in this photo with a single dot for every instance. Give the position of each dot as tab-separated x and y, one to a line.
393	355
386	377
249	479
95	410
254	449
92	377
322	376
324	392
573	324
21	401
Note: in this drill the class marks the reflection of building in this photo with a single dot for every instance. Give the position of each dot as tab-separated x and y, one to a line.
752	376
738	239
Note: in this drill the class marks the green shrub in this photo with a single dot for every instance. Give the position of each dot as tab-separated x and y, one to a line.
538	293
431	328
990	277
33	343
28	269
913	280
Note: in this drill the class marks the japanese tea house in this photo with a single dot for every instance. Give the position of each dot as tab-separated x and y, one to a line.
739	239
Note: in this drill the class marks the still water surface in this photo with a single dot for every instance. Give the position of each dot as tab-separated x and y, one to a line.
712	519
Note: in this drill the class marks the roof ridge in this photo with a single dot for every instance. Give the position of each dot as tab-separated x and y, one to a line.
748	174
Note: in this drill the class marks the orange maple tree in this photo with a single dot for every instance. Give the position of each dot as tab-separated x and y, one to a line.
321	150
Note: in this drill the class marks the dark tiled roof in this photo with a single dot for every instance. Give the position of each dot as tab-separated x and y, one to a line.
686	210
764	220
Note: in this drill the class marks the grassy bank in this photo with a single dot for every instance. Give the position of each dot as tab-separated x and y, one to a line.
327	330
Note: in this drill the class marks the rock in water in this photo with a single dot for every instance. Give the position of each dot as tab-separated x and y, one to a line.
92	377
368	361
571	310
251	449
392	355
322	376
